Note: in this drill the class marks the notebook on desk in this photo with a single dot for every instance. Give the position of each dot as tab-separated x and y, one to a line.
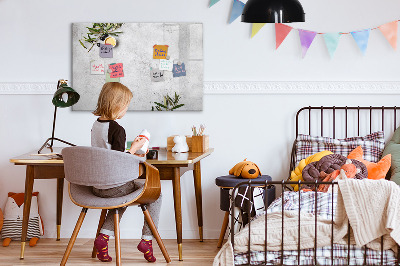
50	156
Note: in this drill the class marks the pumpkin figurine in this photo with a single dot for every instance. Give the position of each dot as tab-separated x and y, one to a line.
245	169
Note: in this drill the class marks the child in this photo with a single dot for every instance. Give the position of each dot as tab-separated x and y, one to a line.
112	104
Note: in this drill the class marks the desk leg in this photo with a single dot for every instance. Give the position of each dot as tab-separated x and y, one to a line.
27	206
199	204
176	182
60	190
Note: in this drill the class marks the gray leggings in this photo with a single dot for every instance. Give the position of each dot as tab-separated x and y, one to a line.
154	208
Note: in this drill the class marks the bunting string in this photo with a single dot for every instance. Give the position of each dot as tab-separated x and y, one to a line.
361	37
343	33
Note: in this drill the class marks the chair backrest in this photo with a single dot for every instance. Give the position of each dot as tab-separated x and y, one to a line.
91	166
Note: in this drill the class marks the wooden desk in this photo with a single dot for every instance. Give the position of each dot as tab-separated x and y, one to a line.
168	164
40	167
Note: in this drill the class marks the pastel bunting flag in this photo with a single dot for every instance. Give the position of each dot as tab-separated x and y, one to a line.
213	2
237	9
281	31
256	27
306	39
389	30
361	37
332	41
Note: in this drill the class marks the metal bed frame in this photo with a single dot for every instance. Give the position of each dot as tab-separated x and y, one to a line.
283	184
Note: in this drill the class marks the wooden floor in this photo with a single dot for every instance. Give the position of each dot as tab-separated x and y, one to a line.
50	252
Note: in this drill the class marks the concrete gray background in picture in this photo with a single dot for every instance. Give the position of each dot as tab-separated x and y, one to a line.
135	50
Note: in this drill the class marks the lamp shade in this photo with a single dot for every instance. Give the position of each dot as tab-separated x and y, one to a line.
65	96
273	11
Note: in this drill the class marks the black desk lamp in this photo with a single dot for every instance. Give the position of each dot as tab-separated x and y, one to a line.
273	11
65	96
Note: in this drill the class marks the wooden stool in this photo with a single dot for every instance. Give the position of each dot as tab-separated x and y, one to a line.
226	183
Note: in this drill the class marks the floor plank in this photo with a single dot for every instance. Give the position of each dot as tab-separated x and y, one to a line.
49	252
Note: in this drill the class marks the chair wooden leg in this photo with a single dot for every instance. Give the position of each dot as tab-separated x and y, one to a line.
101	222
154	230
73	237
117	239
223	229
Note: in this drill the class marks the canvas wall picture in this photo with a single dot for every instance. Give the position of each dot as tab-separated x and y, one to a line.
161	63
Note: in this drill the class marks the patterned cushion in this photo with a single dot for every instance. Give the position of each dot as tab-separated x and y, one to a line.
372	144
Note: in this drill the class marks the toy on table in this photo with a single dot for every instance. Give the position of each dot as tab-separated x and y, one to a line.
180	144
245	169
13	215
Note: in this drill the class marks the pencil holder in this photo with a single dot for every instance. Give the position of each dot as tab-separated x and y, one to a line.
200	143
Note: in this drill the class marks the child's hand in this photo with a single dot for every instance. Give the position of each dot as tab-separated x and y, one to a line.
137	144
142	155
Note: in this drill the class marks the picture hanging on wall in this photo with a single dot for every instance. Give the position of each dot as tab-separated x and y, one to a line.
161	63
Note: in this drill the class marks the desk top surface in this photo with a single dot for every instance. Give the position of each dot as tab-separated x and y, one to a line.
164	157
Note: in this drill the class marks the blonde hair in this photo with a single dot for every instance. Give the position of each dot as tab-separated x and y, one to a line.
113	97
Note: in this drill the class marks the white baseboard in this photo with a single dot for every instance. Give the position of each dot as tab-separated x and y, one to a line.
248	87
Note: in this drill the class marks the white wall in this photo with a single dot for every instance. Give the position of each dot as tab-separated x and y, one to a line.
36	47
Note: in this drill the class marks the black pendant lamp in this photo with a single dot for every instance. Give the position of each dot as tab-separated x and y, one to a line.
273	11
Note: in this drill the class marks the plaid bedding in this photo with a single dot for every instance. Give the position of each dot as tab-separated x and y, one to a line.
340	253
306	202
323	207
372	145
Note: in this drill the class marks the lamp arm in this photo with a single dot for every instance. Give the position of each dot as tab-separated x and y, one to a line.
54	119
54	126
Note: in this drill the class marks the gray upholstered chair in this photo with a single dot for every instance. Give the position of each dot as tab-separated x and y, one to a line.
85	167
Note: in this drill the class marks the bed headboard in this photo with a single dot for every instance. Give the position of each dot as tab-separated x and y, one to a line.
348	115
344	121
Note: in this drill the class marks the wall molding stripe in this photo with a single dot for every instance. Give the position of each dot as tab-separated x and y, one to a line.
27	88
249	87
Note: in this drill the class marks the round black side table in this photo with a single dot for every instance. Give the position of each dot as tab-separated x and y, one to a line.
228	182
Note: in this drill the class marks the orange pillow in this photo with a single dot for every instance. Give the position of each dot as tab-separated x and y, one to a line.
375	170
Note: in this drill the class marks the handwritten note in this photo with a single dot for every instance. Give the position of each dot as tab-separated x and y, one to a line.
109	79
117	70
179	70
156	74
106	50
160	51
166	64
97	67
